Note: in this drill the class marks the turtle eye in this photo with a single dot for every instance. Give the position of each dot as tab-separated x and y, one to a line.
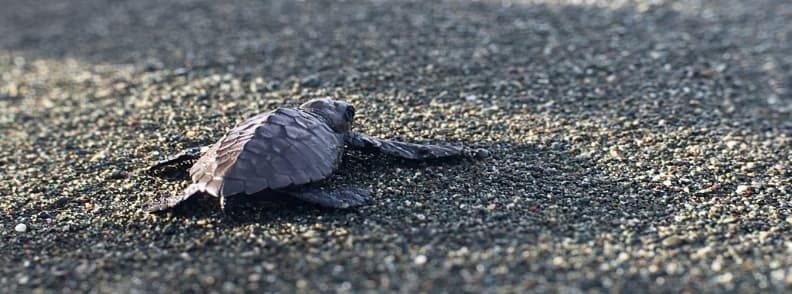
350	112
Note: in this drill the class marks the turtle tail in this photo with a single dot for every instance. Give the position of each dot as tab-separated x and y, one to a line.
171	201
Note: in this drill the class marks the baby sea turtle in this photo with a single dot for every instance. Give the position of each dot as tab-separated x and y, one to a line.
285	149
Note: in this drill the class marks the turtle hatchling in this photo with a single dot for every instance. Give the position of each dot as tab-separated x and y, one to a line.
285	150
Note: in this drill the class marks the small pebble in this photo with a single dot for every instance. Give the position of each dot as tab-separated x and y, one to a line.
21	228
672	241
743	189
311	81
420	260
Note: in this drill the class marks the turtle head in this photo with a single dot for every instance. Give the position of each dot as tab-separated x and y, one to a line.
338	114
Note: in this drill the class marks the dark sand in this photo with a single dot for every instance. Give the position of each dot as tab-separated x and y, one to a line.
635	145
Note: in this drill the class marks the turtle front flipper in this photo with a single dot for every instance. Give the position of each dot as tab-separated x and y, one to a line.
402	149
345	197
185	155
170	202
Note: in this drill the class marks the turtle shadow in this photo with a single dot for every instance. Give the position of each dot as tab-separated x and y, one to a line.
264	207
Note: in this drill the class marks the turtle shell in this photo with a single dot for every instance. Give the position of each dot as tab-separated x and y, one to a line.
273	150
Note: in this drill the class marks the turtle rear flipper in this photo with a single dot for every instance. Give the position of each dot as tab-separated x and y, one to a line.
345	197
402	149
185	155
172	201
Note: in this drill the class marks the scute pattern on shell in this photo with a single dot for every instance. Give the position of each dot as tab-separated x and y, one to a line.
272	150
